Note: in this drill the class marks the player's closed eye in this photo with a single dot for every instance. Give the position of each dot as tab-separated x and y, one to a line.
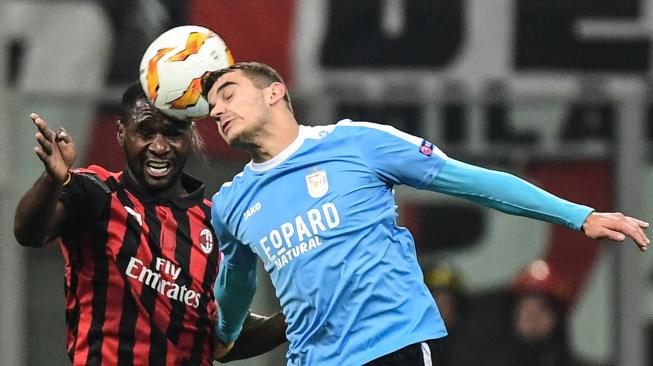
173	134
146	133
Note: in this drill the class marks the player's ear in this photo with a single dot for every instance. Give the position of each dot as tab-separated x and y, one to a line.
120	133
277	92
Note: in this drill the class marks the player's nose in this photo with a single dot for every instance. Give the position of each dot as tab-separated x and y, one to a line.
217	111
159	145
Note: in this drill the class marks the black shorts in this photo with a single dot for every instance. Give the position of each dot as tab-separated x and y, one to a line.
427	353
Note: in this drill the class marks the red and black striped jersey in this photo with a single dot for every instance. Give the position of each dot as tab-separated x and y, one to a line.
139	272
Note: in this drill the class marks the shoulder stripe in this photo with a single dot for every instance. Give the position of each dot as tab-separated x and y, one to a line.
417	141
385	128
99	171
317	132
102	184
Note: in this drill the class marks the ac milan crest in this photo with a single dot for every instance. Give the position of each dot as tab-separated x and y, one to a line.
206	240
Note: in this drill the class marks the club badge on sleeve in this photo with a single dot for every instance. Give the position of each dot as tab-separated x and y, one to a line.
426	148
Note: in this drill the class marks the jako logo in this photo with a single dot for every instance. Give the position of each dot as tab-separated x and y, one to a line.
252	210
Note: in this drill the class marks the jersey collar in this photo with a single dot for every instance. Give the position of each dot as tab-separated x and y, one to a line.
283	155
190	183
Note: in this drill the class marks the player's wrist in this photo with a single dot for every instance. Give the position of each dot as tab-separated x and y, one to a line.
588	222
68	179
58	182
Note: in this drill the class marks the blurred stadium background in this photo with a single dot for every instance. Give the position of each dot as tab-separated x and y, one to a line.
558	92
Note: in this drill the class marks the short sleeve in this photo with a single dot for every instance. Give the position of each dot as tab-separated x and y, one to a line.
234	253
395	156
83	199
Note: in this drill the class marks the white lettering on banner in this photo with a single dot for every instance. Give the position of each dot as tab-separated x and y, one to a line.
295	237
474	55
471	46
137	270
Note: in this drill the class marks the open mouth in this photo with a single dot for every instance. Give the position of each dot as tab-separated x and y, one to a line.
157	168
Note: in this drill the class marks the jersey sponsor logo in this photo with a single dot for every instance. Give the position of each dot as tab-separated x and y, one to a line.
299	236
252	210
165	285
206	240
426	148
136	215
317	183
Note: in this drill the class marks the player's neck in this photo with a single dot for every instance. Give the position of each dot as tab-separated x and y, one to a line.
176	189
274	140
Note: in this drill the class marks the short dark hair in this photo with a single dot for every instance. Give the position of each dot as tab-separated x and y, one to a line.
130	98
132	94
260	74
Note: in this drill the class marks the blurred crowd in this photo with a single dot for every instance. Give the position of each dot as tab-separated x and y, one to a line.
525	323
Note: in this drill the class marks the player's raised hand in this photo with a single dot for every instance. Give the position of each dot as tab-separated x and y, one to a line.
66	146
56	149
616	226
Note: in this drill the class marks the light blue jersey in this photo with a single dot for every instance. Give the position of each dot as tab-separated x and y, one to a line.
321	216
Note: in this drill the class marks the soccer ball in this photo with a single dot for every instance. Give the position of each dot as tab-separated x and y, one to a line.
173	65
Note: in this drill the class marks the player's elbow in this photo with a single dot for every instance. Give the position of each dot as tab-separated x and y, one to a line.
25	236
22	238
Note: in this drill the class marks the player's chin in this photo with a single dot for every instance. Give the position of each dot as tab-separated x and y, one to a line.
160	182
157	184
231	136
228	139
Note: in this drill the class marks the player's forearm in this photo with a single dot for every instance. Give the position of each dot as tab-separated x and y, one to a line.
234	291
507	193
259	335
35	220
